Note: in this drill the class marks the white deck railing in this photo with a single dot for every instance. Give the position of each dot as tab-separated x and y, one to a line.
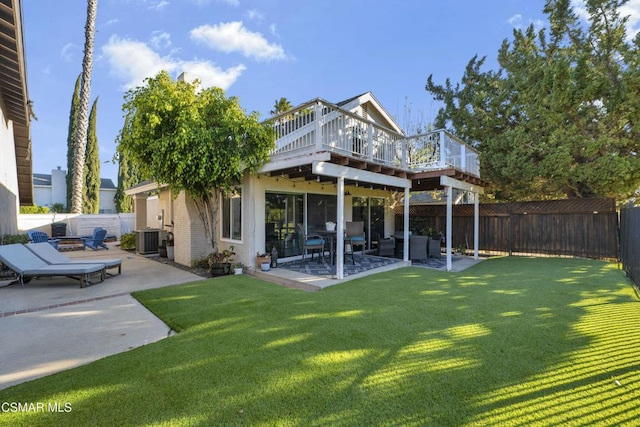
346	133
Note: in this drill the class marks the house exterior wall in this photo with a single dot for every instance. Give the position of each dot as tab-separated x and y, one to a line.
58	187
253	211
42	195
107	202
189	235
48	195
9	200
190	239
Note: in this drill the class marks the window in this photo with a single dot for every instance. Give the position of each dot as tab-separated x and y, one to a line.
232	216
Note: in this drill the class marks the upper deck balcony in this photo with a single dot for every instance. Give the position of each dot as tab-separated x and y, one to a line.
320	126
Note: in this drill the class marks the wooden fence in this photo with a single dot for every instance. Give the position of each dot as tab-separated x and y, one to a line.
577	227
630	242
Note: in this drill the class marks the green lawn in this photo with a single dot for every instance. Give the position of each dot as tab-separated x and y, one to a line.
511	341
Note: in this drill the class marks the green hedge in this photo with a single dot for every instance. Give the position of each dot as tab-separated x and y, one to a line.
9	239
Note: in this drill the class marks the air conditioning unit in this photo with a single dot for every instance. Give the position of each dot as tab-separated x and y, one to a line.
147	241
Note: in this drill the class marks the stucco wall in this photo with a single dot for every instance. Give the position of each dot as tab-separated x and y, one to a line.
190	239
9	200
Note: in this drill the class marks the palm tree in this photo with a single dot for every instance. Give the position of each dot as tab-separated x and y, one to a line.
280	106
83	110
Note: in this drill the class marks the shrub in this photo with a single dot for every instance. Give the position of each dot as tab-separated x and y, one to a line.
128	241
9	239
34	209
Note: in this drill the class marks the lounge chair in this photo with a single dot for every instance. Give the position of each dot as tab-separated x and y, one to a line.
51	256
36	236
28	265
96	241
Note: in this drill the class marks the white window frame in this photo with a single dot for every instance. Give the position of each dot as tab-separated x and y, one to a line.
231	213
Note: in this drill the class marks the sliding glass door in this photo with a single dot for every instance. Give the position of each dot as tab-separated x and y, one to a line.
369	210
282	212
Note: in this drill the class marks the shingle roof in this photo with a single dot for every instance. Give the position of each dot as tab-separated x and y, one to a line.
106	183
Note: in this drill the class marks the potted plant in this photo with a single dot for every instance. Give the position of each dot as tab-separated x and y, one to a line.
261	260
170	249
220	262
237	268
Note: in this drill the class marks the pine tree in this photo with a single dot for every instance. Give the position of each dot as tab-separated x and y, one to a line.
71	152
561	117
91	199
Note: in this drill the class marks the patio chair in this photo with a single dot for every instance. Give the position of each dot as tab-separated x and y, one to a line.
386	247
418	247
96	241
36	236
311	242
51	256
28	265
434	246
354	233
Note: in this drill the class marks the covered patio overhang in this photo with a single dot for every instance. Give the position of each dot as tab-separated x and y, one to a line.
331	168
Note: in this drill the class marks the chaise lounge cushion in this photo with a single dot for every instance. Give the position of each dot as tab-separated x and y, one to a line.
27	264
51	256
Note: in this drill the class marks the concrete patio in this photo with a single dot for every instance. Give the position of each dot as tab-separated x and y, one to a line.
50	325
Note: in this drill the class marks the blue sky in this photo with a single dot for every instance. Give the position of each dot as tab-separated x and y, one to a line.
258	51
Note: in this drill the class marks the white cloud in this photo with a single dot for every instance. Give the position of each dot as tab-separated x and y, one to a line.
234	37
160	40
132	61
273	29
517	22
68	51
229	2
630	9
254	15
155	4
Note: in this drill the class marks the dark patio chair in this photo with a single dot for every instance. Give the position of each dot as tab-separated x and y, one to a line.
386	247
418	247
434	246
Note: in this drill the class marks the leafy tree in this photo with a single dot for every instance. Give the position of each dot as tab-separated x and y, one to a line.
280	106
561	116
127	173
71	152
83	108
199	142
91	199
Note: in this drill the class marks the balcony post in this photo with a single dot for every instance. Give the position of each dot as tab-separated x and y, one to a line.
463	154
370	142
317	118
443	151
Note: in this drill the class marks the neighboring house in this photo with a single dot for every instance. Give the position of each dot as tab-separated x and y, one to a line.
16	187
340	162
51	189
